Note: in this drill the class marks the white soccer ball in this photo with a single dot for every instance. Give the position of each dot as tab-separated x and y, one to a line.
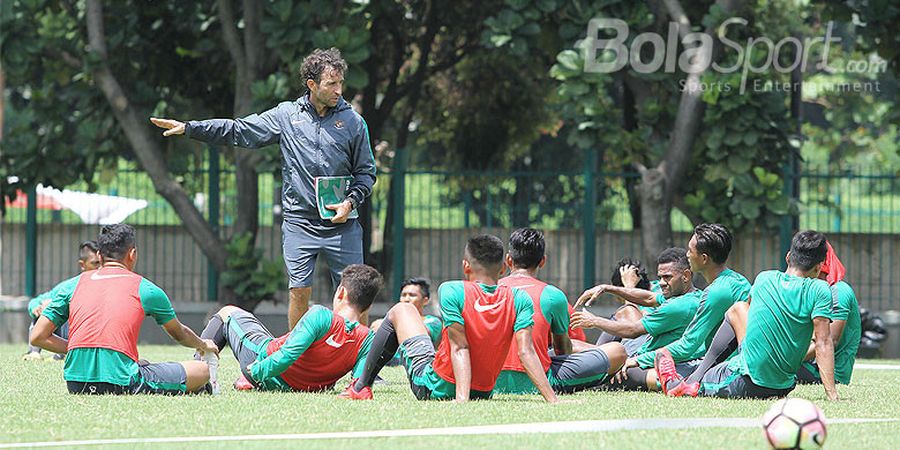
794	423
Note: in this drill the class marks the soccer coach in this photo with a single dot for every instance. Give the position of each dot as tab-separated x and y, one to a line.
320	136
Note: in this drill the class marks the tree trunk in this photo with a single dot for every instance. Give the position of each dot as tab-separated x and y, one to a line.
629	123
147	149
660	184
656	224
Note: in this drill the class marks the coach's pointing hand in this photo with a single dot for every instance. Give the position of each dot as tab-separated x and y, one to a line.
172	126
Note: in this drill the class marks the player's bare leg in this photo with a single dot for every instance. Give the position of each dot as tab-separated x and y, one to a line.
737	317
197	375
298	304
616	354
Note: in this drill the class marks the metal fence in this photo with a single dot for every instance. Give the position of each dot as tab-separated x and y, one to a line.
425	216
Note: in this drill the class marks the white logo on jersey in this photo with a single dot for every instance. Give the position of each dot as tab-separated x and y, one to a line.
482	308
97	277
330	341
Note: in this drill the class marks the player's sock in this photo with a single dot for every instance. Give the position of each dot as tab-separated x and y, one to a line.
724	343
384	346
215	330
637	379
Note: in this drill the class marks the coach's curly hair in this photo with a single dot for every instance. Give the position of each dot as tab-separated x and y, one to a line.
315	64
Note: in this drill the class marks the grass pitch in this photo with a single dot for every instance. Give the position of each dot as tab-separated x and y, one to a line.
35	407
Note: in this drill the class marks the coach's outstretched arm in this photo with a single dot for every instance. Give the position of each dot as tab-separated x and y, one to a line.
529	359
825	355
253	131
461	361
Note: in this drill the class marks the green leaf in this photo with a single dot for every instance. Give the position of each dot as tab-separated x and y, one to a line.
499	40
780	206
732	139
569	59
547	5
739	164
751	137
530	29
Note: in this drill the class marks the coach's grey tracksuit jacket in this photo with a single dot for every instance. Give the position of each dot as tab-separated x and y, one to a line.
311	146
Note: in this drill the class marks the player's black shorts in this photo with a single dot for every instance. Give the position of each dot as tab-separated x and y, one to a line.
809	373
578	371
721	381
417	355
168	378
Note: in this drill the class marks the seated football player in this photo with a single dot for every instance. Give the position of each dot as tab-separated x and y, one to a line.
629	275
417	292
481	319
663	325
567	371
105	309
323	346
88	259
846	326
772	333
707	253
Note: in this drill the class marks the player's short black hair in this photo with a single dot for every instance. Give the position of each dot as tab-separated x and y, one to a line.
485	250
676	255
115	241
715	240
422	283
320	60
616	278
526	247
86	249
363	283
808	248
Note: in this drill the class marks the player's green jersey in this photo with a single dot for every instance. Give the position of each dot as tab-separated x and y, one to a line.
780	327
845	308
434	326
667	323
555	309
729	287
35	302
91	365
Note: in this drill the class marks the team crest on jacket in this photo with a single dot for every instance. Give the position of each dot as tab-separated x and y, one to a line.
339	124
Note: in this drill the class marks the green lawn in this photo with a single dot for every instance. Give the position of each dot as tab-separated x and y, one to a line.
35	407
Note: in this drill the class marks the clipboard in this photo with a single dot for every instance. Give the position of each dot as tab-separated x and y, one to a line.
330	191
